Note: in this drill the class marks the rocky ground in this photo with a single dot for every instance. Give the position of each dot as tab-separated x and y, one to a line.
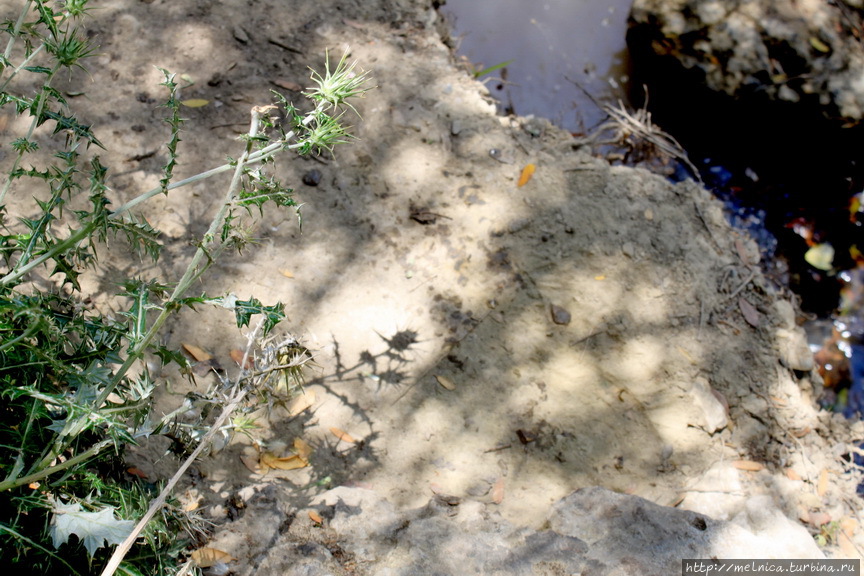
482	345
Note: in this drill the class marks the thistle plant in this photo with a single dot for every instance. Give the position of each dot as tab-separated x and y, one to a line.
74	382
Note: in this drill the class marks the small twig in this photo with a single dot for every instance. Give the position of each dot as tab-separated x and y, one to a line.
284	46
159	501
743	285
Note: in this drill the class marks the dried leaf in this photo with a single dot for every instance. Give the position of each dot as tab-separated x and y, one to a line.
751	314
292	86
342	435
315	517
822	486
818	45
197	354
286	273
251	462
817	519
743	254
207	557
137	472
526	436
192	505
301	402
849	525
820	256
527	172
445	382
792	475
237	356
269	460
194	102
748	465
359	25
302	449
498	491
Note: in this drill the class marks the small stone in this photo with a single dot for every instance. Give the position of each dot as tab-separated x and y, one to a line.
628	249
240	35
560	315
312	177
479	490
713	410
793	349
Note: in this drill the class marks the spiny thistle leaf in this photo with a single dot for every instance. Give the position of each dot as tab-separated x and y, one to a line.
93	529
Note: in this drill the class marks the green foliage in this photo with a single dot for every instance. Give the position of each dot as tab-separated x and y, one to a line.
490	69
74	385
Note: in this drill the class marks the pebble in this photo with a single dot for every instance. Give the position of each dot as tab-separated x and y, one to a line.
794	351
312	177
240	35
713	411
560	315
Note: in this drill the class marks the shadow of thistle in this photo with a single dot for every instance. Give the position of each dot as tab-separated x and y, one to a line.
386	368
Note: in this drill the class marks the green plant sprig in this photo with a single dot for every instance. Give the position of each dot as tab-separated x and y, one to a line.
74	388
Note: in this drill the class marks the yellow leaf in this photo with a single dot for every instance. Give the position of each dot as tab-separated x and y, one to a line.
293	462
822	486
527	172
302	449
206	557
286	273
197	354
748	465
819	45
342	435
194	102
445	382
820	256
315	517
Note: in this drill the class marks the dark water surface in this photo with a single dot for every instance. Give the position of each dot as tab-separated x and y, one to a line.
556	47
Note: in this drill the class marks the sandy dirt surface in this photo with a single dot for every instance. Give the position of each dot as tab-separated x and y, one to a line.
474	338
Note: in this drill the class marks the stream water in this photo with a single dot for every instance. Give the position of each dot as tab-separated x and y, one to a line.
566	58
564	53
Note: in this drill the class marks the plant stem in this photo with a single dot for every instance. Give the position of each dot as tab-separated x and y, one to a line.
36	116
193	271
17	29
157	503
83	456
86	231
